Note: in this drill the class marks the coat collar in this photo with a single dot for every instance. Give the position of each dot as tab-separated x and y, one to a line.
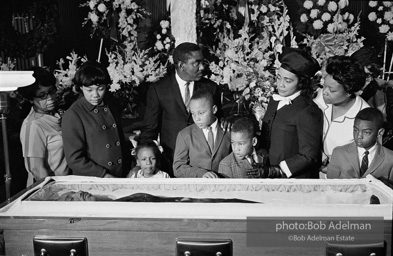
377	161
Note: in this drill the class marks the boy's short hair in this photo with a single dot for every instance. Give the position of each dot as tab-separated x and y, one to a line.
372	115
203	94
245	125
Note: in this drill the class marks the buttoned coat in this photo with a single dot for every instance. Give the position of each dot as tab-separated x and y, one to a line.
345	163
93	139
193	157
294	134
166	113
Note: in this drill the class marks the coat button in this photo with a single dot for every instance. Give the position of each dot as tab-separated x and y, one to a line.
118	143
104	127
105	109
107	146
114	125
96	111
110	163
119	161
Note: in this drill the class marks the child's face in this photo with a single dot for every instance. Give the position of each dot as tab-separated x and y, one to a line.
242	144
365	133
202	112
94	94
147	160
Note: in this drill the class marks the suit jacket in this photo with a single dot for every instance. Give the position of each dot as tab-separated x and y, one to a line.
294	134
166	113
193	157
345	163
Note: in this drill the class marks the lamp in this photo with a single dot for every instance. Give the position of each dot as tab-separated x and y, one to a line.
10	81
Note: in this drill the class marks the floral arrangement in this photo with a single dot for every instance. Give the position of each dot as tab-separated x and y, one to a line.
128	68
246	62
65	76
324	16
343	42
8	65
124	13
382	14
165	42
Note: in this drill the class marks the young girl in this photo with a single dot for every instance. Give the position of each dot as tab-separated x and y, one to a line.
147	159
94	142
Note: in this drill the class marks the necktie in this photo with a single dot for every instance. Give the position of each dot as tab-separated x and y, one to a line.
364	166
250	159
187	94
283	100
210	138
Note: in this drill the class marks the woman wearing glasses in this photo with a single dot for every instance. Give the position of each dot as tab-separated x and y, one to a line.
40	135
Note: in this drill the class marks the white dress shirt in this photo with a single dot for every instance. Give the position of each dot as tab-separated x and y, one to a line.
214	130
182	86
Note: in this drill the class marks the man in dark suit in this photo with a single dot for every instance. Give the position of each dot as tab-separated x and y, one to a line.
167	111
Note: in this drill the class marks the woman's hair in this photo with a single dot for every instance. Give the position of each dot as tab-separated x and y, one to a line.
152	146
91	73
43	77
347	73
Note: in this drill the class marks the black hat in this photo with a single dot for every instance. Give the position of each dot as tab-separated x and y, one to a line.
298	62
366	55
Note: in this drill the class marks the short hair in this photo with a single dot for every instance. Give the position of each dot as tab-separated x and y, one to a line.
152	145
184	51
91	73
244	125
203	94
43	77
346	72
372	115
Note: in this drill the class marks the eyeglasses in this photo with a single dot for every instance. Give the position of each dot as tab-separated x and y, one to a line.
44	95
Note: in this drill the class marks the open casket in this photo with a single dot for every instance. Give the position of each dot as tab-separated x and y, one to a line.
146	216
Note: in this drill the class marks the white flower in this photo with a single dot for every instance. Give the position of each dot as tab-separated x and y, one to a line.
388	16
326	16
163	31
134	6
384	29
390	36
314	13
391	21
167	40
159	45
114	87
158	36
317	24
308	4
92	4
164	24
263	9
303	18
167	46
321	2
331	28
346	15
373	4
343	4
351	18
387	3
380	8
332	6
94	18
101	7
379	21
372	16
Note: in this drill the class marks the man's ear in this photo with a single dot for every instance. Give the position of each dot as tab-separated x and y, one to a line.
214	109
381	131
254	141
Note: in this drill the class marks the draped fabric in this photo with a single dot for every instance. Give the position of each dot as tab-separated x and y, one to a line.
183	20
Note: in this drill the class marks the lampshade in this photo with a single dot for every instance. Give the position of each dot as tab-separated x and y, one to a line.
11	80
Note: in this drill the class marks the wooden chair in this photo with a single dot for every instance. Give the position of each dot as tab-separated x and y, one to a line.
372	249
203	247
60	246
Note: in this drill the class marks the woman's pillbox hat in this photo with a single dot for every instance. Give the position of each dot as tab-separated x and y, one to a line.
298	62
